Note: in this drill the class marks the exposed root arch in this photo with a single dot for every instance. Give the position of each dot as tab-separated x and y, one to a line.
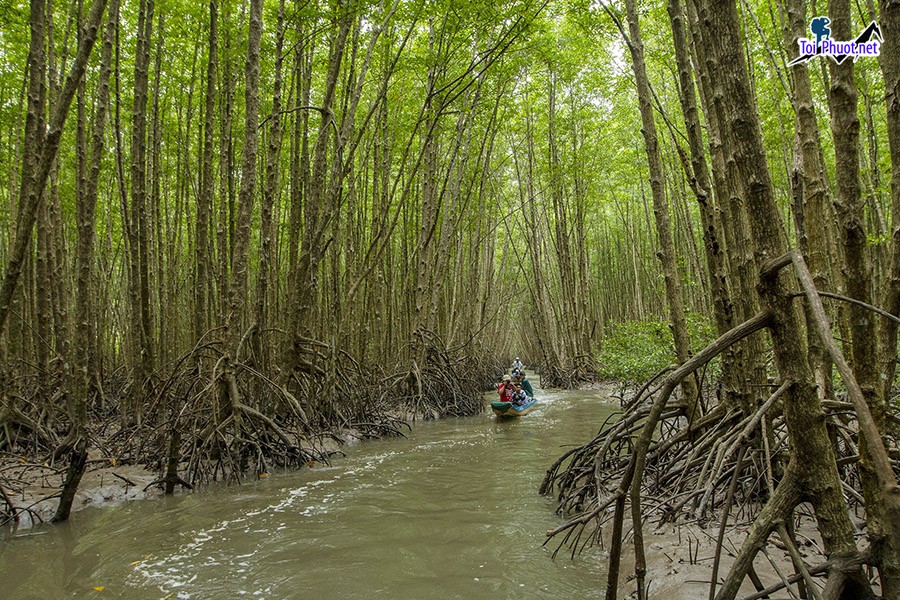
692	463
436	384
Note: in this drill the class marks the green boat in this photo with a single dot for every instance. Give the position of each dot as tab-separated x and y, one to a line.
508	409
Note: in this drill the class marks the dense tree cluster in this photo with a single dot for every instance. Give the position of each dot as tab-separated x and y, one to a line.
230	229
816	227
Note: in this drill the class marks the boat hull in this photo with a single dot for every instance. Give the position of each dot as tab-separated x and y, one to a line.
507	409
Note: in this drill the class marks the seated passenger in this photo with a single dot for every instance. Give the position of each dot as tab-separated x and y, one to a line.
520	398
526	385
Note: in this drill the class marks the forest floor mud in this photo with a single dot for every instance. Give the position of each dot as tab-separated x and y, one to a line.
680	556
34	488
103	484
680	559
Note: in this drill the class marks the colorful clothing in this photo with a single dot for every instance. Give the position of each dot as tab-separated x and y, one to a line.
526	385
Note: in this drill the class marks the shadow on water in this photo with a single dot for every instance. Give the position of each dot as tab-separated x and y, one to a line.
450	512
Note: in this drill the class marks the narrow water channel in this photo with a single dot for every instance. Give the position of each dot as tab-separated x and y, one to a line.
452	511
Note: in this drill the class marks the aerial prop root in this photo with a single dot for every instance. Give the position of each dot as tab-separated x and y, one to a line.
236	425
10	513
868	429
239	409
14	422
783	499
631	477
435	384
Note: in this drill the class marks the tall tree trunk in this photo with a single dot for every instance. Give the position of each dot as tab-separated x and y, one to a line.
237	292
813	213
55	290
850	207
713	233
207	184
316	209
562	244
890	66
139	290
431	197
454	206
85	215
299	166
747	359
813	458
666	252
709	214
159	287
85	310
545	332
231	404
45	242
225	216
270	192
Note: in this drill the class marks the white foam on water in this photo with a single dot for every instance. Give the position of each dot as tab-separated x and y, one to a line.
178	570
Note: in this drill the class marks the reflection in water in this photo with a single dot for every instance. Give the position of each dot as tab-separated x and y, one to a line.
450	512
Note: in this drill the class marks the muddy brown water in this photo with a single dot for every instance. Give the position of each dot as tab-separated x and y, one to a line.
451	511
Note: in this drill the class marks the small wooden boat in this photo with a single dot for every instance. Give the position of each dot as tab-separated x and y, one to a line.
508	409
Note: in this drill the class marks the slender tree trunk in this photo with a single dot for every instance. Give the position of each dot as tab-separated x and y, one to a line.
562	244
55	290
850	207
747	359
544	331
431	198
713	240
159	293
42	144
225	220
890	66
85	294
43	265
316	209
270	192
709	214
237	296
207	184
813	213
299	182
455	205
666	252
142	346
78	453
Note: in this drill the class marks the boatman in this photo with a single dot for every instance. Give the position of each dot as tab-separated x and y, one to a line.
517	364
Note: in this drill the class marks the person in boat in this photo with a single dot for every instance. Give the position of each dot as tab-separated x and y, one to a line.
506	389
520	398
526	385
517	364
